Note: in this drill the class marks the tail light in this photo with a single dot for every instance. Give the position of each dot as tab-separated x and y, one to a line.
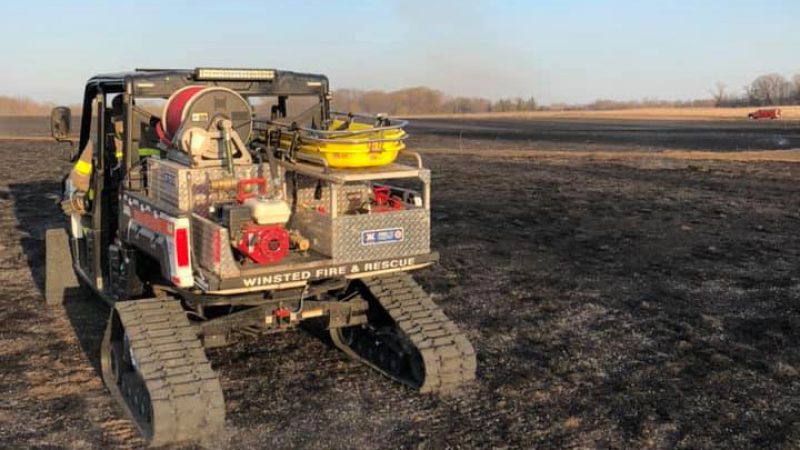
182	247
217	248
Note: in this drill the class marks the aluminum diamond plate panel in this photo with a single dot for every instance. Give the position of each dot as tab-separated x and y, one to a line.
169	182
413	224
341	238
209	238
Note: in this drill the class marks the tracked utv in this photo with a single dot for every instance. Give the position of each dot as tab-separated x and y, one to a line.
227	203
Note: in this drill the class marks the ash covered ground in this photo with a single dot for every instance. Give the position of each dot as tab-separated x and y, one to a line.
613	304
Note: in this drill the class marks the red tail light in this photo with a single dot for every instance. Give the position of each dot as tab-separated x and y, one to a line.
182	246
217	248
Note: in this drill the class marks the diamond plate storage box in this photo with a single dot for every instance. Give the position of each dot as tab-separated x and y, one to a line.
362	237
335	210
189	189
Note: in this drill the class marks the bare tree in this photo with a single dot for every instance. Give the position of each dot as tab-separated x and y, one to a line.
771	89
796	87
785	92
719	93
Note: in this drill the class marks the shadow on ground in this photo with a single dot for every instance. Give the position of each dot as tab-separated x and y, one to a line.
36	210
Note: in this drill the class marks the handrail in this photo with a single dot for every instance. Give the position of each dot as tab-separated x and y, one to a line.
301	156
313	159
314	139
317	135
415	155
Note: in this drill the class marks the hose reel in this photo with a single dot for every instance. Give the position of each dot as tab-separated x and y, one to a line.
208	123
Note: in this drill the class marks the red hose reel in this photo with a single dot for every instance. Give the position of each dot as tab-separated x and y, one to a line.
172	115
173	111
197	106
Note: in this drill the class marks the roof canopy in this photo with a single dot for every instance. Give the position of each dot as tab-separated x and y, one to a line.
247	82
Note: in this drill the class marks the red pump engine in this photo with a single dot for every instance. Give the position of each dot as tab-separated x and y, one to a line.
264	244
265	240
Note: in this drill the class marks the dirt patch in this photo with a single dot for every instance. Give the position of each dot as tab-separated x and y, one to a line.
612	303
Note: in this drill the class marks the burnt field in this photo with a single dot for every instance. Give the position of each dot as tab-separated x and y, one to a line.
630	303
653	135
28	126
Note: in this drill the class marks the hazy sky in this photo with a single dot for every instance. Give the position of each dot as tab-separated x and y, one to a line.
570	51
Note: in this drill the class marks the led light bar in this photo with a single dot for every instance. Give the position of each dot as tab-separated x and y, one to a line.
234	74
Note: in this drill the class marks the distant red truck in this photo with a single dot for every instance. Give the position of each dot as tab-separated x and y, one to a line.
771	113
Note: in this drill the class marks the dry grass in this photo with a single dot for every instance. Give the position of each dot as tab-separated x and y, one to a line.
789	112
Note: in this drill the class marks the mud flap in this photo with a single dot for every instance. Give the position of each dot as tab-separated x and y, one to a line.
60	280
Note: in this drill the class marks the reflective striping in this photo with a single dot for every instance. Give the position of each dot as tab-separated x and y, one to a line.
83	167
152	222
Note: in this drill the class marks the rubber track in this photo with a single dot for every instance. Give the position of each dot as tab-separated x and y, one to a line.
447	354
185	392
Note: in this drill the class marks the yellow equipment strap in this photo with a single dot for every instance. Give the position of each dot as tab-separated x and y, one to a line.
83	167
143	152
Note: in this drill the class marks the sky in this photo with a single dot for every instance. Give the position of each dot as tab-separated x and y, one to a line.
571	51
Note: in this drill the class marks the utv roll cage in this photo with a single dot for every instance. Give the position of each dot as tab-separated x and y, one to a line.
161	83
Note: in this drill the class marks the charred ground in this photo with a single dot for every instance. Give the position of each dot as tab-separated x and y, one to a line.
654	135
624	304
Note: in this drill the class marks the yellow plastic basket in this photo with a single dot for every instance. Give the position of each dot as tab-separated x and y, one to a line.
350	144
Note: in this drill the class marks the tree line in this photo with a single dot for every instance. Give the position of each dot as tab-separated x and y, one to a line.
423	100
766	90
21	106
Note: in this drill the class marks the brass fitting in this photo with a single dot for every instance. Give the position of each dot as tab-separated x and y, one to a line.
224	184
299	241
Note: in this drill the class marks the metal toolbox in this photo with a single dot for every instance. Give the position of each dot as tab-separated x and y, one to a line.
189	189
361	237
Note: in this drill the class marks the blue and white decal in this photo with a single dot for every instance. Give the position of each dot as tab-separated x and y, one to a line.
384	236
